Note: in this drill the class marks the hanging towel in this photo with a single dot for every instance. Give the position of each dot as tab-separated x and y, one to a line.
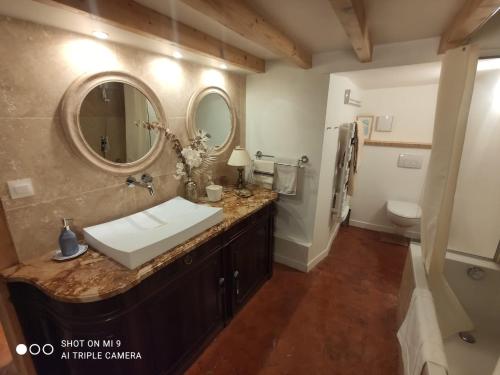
263	173
285	181
357	145
419	336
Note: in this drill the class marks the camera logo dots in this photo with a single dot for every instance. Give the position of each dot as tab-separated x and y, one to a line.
21	349
34	349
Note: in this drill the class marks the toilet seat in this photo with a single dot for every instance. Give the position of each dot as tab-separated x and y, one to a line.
404	209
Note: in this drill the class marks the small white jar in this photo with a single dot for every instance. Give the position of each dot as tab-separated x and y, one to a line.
214	193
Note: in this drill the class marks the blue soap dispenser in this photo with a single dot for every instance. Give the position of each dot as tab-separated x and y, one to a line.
68	242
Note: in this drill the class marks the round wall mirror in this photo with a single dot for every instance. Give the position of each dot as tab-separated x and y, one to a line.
111	118
210	110
106	120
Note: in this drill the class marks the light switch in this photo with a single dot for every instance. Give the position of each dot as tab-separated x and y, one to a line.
21	188
410	161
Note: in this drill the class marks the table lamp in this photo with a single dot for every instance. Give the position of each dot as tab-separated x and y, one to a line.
240	158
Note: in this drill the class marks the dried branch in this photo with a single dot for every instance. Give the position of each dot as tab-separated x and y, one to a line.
198	143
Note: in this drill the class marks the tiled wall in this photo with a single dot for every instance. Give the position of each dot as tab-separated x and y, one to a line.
38	64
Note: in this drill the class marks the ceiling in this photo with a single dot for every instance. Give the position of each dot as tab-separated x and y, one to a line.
409	75
406	75
393	21
183	13
311	23
314	25
488	36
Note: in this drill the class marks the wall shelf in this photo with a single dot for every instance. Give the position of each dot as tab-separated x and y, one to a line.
401	144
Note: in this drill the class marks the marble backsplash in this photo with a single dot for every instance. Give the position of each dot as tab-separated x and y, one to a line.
38	64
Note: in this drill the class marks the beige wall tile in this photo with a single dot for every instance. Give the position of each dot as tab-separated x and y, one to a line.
39	63
8	256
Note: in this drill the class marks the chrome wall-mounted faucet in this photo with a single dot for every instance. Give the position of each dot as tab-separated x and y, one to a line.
146	182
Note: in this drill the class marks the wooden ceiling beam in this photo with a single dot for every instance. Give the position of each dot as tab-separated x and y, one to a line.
239	17
134	17
352	16
470	18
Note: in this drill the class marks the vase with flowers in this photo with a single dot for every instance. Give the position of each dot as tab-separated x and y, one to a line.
192	160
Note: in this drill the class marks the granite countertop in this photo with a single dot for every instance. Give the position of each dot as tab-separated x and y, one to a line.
94	276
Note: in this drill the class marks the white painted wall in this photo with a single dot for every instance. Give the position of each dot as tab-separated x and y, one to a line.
285	116
475	226
337	114
413	108
379	179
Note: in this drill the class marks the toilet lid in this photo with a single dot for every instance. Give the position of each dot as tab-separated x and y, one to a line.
405	209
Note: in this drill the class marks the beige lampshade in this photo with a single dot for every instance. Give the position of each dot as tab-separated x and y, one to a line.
239	158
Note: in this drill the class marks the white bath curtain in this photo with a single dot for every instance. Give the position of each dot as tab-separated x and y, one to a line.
454	96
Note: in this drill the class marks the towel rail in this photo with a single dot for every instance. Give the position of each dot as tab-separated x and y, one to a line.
300	162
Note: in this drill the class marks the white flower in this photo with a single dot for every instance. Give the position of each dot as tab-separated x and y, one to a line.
180	171
193	157
179	167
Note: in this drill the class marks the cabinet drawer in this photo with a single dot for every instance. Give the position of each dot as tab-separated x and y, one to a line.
240	227
182	265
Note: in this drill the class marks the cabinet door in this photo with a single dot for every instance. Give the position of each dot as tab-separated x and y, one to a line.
250	262
187	314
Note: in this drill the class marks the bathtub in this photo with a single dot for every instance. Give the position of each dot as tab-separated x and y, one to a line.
481	300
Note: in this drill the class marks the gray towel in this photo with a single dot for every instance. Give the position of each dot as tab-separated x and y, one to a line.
285	179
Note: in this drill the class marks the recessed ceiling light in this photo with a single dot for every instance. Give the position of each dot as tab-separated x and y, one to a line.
223	66
177	55
100	34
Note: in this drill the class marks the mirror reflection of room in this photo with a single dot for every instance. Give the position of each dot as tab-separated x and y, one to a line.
109	118
213	116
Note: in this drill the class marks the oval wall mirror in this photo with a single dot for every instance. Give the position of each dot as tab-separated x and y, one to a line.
211	111
106	117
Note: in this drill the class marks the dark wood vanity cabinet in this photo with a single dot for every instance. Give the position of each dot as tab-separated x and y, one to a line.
250	263
187	313
168	318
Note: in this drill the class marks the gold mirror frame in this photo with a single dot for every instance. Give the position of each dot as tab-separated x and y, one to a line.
70	111
191	115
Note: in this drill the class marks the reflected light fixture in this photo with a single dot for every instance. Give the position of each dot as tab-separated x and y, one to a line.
100	34
177	55
223	66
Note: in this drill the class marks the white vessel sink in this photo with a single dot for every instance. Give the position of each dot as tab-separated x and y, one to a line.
135	239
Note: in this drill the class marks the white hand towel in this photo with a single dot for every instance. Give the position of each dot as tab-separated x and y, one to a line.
285	181
420	336
263	173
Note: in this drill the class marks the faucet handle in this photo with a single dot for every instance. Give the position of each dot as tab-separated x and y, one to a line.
66	222
146	178
131	181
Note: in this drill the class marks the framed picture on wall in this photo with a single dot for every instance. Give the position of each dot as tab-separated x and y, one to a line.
367	121
384	123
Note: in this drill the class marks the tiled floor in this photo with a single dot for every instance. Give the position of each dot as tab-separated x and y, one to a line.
338	319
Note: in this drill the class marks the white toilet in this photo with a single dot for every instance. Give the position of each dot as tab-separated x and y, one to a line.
403	214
